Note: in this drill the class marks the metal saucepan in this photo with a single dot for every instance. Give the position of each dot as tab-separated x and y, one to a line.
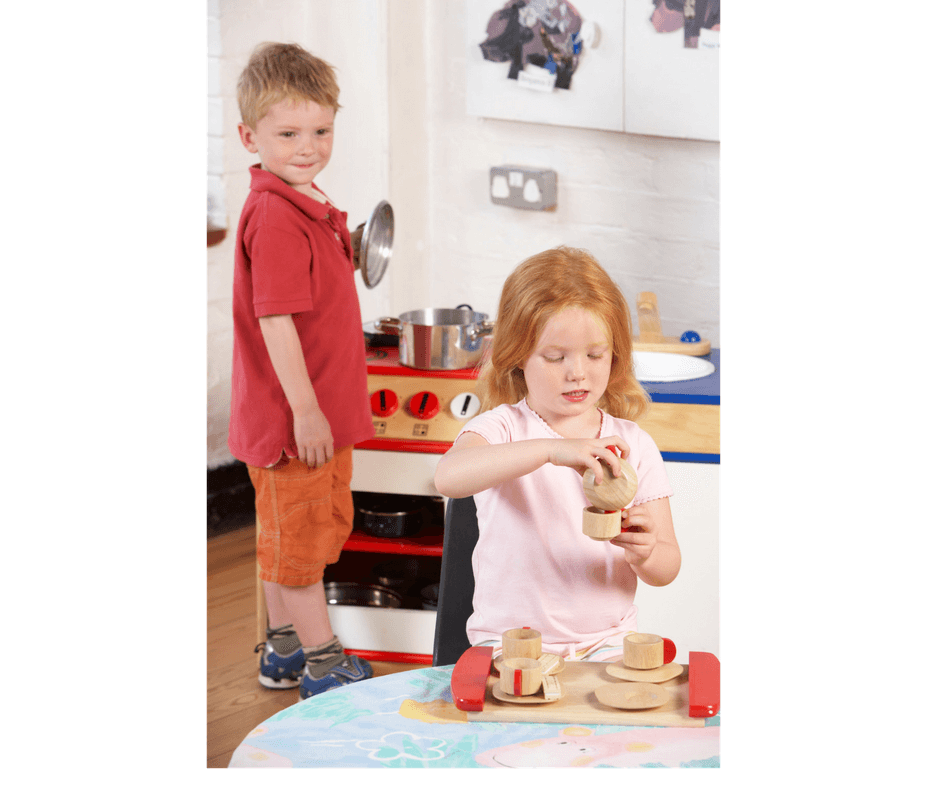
439	338
361	594
374	250
390	515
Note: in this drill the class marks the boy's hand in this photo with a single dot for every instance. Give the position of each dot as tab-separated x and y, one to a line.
355	239
314	438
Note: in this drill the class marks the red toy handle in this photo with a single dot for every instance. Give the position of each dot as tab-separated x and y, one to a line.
704	684
669	651
468	680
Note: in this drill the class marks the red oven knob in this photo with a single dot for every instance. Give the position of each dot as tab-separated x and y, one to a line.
384	403
424	405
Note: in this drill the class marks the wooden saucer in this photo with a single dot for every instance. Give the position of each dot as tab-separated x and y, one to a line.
632	695
651	675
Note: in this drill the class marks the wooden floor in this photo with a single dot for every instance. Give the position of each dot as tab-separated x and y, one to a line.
236	702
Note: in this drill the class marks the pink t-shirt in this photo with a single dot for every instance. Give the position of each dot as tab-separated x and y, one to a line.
533	566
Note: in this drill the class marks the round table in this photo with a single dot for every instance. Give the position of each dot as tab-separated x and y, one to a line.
408	719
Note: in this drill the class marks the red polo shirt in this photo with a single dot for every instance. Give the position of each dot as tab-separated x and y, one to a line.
293	256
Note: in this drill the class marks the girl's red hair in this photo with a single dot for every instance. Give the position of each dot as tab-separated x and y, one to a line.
537	289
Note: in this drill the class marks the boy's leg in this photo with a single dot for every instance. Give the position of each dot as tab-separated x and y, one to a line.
290	502
306	516
282	658
304	607
296	615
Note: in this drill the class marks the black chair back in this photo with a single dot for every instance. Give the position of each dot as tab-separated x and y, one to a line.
455	596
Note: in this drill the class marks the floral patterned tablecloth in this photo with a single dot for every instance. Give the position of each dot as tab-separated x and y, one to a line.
408	719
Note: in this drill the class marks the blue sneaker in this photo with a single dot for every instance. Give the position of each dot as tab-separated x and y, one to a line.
351	669
282	658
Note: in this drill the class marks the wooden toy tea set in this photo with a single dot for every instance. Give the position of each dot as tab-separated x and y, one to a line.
524	684
529	675
524	670
601	521
647	663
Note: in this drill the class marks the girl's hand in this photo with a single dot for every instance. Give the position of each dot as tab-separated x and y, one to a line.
648	540
637	534
582	454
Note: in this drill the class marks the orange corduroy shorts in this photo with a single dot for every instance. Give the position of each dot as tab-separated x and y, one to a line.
306	515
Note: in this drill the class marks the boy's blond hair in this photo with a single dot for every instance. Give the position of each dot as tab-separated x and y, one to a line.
284	71
539	288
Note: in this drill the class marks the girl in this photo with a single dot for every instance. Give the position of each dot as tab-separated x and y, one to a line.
557	390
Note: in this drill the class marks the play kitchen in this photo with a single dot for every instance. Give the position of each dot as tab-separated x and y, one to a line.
418	408
422	370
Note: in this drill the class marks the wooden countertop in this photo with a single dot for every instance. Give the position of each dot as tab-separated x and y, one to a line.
685	419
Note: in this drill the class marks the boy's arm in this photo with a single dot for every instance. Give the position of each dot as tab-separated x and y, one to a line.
311	429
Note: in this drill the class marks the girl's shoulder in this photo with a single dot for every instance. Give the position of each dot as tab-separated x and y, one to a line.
501	413
502	423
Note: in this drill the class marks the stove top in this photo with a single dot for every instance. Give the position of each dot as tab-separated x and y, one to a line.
385	361
417	410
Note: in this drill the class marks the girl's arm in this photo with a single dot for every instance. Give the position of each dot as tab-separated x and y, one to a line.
472	465
649	543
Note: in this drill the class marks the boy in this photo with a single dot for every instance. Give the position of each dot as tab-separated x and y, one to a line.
299	392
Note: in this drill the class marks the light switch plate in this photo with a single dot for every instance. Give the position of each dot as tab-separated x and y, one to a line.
524	187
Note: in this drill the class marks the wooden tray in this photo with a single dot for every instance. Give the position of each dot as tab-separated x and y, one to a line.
580	705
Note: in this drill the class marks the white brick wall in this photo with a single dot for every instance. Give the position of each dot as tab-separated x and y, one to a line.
215	188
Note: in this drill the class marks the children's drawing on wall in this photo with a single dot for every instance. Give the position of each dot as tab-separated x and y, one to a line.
540	39
616	65
546	61
693	17
670	59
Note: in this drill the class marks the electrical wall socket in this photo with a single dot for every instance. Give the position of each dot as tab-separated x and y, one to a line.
524	187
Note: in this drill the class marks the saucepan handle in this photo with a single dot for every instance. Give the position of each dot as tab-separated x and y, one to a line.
389	325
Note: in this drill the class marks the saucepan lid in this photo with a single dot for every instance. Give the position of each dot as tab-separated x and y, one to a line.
376	247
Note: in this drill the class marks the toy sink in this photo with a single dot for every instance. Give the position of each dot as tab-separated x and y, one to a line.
669	367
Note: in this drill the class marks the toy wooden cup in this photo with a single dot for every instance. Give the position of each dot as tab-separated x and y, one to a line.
613	493
522	642
520	676
643	651
600	525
